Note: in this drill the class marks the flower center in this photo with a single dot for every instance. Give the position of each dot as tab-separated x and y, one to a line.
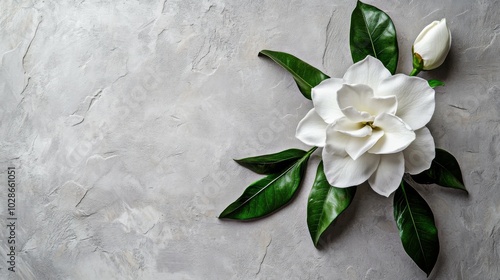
370	124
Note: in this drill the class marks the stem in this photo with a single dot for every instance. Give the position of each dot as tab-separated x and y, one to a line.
414	72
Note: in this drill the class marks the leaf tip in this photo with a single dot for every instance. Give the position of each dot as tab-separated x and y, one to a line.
465	190
316	241
435	83
428	271
314	237
225	213
263	53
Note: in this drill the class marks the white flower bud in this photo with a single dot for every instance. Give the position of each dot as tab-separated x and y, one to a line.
431	46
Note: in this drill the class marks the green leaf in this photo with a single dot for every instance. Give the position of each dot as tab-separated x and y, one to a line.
269	193
272	163
445	171
435	83
325	204
417	230
373	33
305	75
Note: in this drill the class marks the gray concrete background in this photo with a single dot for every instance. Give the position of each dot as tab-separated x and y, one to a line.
122	117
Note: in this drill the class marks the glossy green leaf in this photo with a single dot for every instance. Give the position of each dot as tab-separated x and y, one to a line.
416	226
445	171
325	204
269	193
272	163
435	83
305	75
373	33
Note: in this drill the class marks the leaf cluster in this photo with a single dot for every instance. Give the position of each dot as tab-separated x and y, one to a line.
372	33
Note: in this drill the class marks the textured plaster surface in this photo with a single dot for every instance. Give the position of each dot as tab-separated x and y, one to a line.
122	117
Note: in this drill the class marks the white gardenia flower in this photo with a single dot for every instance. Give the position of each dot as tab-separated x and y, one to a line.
432	45
371	125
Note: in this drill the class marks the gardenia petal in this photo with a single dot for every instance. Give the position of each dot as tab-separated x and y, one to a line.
324	97
384	104
358	146
336	142
357	96
415	98
397	135
357	116
361	98
355	129
386	179
419	155
369	71
312	129
343	171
